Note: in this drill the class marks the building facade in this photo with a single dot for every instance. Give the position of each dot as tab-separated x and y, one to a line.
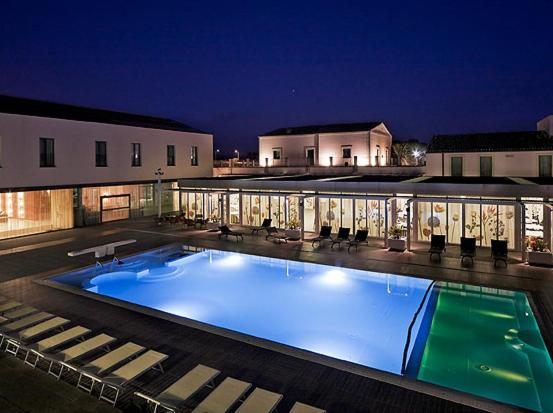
546	124
515	154
359	144
64	165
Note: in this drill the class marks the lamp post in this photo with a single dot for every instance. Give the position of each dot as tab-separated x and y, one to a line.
237	154
216	153
158	173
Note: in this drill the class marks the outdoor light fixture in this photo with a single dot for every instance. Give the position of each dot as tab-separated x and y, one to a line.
237	154
159	173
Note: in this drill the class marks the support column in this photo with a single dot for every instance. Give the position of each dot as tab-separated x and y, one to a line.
227	210
546	224
317	223
221	203
415	212
523	231
409	224
300	212
240	207
386	222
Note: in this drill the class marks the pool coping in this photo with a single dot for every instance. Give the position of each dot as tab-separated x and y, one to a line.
404	381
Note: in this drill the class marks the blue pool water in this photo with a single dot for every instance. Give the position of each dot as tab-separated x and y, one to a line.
358	316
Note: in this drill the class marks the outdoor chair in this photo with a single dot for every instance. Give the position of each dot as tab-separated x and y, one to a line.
183	389
342	236
274	234
36	351
360	238
22	323
260	401
19	312
468	249
225	231
437	246
304	408
225	395
63	357
150	360
499	251
8	305
324	234
266	224
15	342
99	366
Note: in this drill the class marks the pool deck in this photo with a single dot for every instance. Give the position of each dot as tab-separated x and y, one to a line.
23	260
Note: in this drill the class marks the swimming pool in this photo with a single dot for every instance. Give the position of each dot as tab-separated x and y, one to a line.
474	339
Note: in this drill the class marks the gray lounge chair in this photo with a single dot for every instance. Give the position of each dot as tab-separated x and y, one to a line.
22	323
324	234
19	312
36	351
225	231
183	389
499	251
63	357
7	306
360	238
305	408
468	249
101	365
437	246
342	236
260	401
266	224
150	360
15	342
225	395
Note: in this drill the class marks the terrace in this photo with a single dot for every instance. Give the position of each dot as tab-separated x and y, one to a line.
22	261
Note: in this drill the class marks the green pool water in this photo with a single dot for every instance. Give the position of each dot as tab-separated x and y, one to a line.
486	341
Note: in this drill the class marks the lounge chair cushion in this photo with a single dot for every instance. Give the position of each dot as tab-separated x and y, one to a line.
107	361
42	328
223	397
260	401
80	349
188	385
135	368
60	338
304	408
27	321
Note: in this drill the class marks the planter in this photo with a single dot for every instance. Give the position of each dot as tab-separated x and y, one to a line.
540	258
397	244
293	234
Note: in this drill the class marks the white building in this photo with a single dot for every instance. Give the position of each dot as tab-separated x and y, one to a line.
546	124
64	165
514	154
348	144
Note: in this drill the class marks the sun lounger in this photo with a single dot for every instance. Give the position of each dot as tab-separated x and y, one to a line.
14	343
437	246
225	231
19	312
7	306
183	389
324	234
22	323
223	397
35	351
499	251
63	357
305	408
468	249
360	238
102	364
343	236
260	401
266	224
130	371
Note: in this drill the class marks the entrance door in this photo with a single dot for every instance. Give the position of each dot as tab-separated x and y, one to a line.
310	156
115	207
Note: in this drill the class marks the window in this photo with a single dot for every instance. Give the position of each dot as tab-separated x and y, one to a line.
170	155
194	156
47	153
346	151
545	165
456	166
277	153
101	154
136	155
485	166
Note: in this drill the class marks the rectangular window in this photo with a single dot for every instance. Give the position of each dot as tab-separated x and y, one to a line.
545	165
101	154
346	151
485	166
194	156
277	153
171	155
47	153
136	155
456	166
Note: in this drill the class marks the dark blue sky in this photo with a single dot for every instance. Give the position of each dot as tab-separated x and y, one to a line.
240	68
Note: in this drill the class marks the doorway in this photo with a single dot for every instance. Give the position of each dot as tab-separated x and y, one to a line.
310	156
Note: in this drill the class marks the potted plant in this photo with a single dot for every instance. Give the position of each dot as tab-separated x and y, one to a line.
293	231
396	241
538	253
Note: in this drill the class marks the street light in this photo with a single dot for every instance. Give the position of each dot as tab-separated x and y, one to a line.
216	153
159	173
237	154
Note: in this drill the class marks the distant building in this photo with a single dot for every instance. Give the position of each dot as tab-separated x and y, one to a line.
515	154
64	165
546	124
348	144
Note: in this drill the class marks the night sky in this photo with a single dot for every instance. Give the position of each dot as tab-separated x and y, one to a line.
239	68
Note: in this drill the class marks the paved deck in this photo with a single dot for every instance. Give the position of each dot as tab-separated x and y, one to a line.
335	390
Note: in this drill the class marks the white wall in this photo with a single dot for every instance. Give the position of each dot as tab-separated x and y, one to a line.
75	154
329	145
516	164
